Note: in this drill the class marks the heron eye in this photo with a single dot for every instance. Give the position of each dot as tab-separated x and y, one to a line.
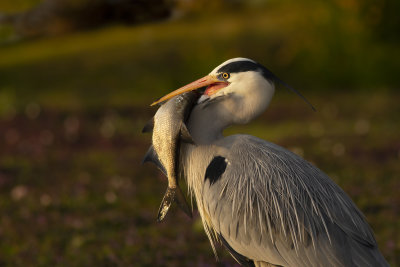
225	75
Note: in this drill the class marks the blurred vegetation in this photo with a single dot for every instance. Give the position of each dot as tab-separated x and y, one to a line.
72	106
52	17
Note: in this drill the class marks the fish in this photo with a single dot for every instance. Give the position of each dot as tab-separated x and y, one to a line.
169	130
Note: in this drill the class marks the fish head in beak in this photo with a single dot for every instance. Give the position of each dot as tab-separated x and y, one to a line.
213	82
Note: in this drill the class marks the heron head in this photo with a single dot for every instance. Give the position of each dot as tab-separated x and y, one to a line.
244	89
239	87
236	86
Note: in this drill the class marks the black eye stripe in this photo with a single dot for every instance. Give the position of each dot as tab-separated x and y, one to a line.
245	65
239	66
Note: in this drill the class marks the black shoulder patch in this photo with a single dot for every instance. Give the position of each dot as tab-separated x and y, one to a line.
242	260
215	169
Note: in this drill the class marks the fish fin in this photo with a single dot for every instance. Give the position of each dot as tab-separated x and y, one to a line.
151	156
181	201
166	202
185	135
149	126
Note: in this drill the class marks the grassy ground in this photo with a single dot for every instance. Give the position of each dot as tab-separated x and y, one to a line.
72	190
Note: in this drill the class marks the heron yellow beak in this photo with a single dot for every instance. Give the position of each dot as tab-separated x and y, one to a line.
205	81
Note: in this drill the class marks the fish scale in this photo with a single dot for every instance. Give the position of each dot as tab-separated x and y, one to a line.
169	129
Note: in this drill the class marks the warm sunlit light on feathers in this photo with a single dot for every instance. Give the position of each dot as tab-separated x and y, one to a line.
266	205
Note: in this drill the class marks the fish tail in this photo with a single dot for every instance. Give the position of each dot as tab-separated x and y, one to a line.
169	196
182	203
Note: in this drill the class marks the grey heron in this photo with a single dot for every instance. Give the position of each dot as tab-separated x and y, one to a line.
265	204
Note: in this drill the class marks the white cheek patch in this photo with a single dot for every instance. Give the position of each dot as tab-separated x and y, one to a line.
223	92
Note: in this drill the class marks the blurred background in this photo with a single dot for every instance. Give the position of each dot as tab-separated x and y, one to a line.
76	81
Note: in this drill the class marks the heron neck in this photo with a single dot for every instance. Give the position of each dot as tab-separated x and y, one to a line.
207	124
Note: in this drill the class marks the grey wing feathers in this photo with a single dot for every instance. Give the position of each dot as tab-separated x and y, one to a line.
273	206
239	258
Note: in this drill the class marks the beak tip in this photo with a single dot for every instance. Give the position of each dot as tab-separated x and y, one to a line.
156	102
